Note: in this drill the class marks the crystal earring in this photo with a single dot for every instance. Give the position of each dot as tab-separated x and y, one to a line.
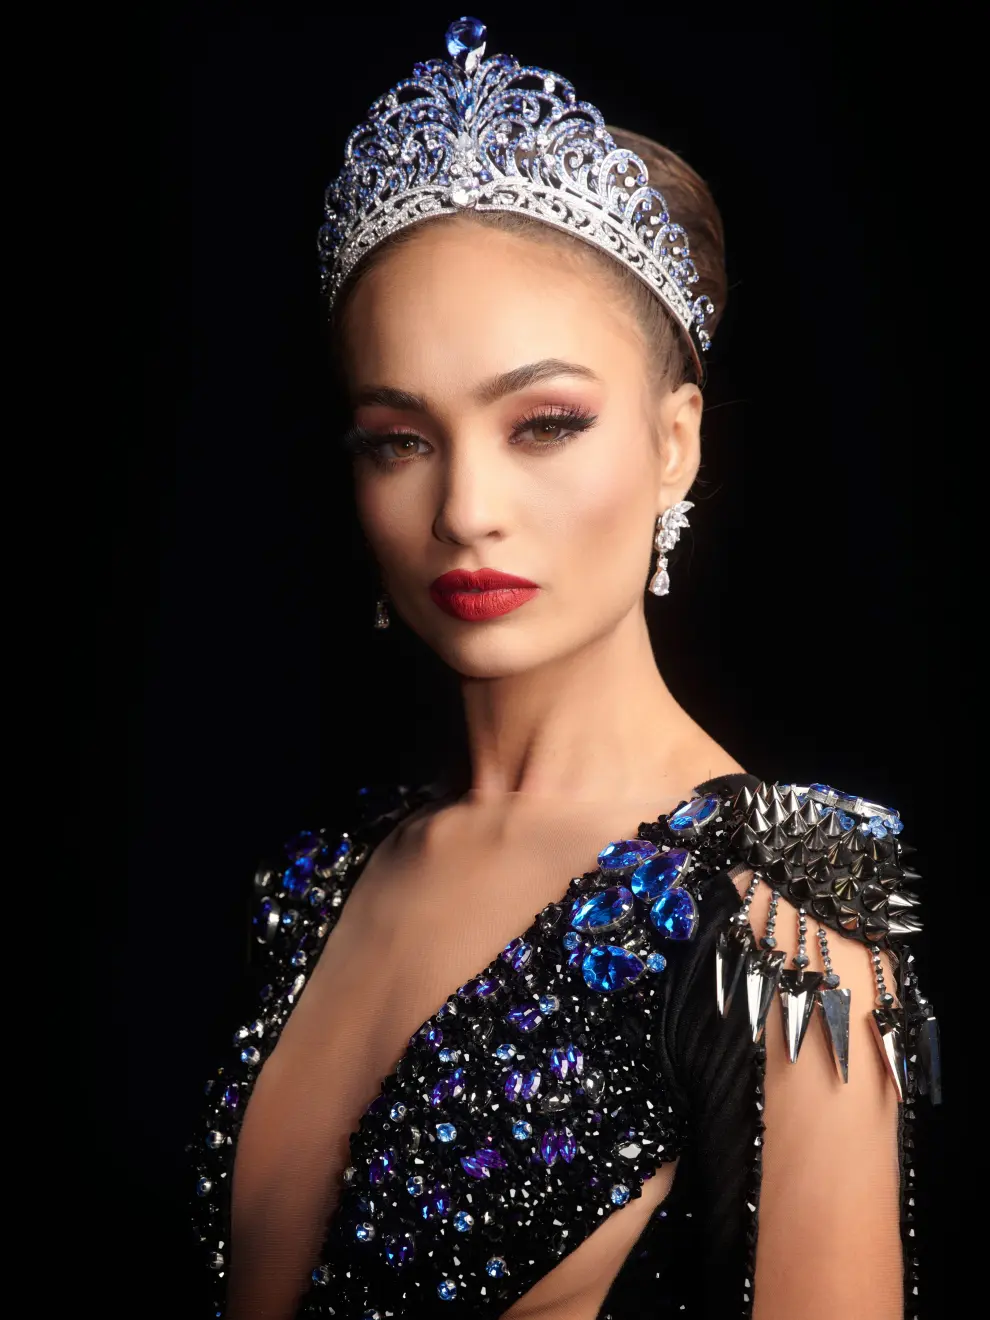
381	612
669	526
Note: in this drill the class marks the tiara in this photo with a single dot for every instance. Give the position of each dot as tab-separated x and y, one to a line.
494	135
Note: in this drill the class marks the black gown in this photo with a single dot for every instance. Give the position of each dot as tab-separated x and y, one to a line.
612	1036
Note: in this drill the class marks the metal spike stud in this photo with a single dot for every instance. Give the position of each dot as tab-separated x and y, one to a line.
905	923
762	974
731	952
797	1000
833	1008
889	1034
792	802
742	801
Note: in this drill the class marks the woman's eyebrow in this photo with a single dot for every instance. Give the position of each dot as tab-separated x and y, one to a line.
489	391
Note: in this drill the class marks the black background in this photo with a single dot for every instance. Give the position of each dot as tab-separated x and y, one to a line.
808	618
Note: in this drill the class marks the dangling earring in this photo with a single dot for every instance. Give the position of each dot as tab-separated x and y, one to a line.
381	612
669	526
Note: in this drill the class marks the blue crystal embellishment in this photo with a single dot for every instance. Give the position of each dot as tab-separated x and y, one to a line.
603	911
446	1131
625	854
446	1290
675	914
608	968
463	1222
526	1017
659	873
693	814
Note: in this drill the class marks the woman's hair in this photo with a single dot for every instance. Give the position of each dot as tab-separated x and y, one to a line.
691	205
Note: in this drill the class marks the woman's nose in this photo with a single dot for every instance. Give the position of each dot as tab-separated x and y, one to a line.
471	506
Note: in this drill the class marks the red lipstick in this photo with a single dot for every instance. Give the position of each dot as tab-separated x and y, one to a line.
482	595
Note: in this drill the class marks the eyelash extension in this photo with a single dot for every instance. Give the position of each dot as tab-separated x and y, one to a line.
359	440
571	420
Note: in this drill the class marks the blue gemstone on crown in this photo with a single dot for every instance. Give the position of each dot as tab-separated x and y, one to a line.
675	914
604	911
625	854
464	36
693	814
607	968
659	873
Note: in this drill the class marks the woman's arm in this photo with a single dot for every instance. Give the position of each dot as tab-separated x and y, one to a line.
829	1222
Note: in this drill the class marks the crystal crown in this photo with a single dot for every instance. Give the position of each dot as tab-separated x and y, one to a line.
495	135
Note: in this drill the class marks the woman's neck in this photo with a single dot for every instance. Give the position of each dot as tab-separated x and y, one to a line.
597	725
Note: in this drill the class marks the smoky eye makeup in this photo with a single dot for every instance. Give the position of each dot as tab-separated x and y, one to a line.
534	429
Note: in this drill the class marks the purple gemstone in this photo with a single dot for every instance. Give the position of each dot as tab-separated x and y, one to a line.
468	989
513	1085
521	956
231	1097
376	1171
440	1092
526	1017
440	1196
510	948
548	1147
433	1038
304	844
531	1085
487	986
456	1083
490	1158
576	955
566	1144
565	1060
474	1168
298	878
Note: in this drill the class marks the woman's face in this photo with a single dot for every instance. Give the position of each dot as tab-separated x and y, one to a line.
506	422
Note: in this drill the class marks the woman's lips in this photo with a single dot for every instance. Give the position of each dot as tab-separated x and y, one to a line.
482	595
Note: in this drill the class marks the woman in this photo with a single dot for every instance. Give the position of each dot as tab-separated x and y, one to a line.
583	1111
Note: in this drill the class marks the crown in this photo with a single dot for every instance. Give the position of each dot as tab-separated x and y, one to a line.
495	135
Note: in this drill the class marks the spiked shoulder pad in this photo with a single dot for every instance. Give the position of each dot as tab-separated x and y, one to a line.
836	855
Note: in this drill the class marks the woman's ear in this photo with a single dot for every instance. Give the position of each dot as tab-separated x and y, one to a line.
680	440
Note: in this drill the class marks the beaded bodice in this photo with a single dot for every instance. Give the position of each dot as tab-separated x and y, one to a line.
540	1096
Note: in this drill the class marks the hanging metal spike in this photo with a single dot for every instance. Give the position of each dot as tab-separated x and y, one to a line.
833	1008
797	989
889	1034
929	1050
910	875
904	923
901	899
763	968
731	951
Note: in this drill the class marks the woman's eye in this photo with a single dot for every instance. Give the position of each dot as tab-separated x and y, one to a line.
394	447
549	432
